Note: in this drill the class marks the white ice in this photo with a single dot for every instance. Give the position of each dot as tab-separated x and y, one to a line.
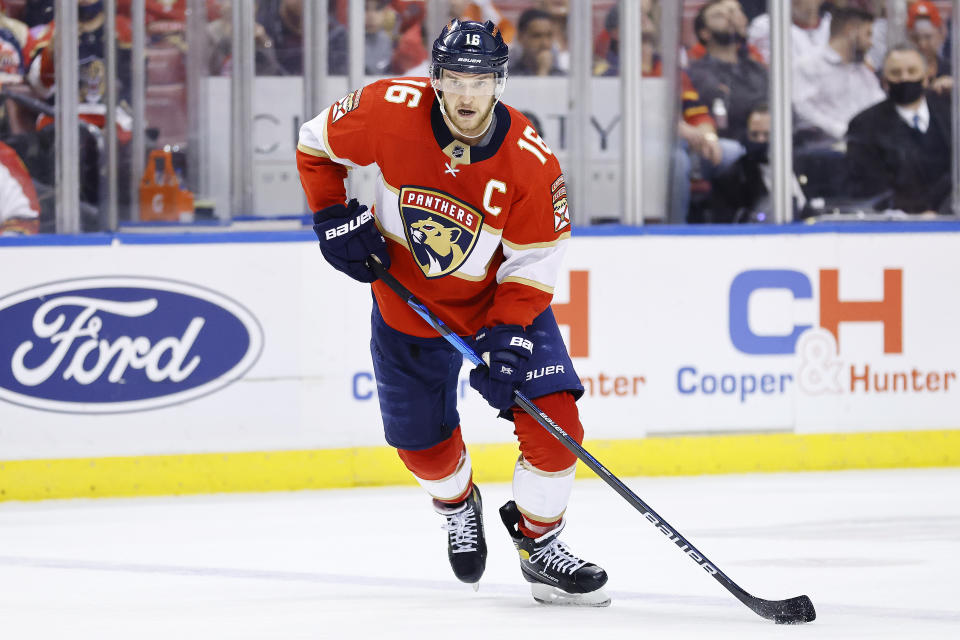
877	551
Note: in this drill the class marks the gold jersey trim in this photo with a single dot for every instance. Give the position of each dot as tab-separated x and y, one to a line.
530	283
546	474
536	245
310	151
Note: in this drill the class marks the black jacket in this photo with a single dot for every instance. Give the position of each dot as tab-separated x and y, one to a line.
885	153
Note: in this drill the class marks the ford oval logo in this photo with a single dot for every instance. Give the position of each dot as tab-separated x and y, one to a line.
119	344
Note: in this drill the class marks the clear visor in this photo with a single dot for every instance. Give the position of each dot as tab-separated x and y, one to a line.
470	85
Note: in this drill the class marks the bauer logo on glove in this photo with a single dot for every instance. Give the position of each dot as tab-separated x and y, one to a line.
353	225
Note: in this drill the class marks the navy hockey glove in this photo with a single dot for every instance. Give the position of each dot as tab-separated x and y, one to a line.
506	350
347	236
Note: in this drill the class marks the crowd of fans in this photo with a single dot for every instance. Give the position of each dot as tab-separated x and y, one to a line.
872	126
867	132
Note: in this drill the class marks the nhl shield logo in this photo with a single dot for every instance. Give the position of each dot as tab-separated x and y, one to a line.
441	230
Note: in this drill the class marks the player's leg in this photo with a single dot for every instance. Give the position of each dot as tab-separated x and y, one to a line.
444	471
416	385
543	478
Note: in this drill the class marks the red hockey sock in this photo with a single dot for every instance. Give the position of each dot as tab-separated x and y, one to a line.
538	445
440	463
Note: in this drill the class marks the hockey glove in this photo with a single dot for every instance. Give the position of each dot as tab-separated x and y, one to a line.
506	349
347	236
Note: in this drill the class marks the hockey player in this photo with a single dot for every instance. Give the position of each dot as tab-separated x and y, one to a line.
471	216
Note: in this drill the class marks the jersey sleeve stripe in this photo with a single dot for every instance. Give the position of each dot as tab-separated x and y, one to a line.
530	283
311	152
534	267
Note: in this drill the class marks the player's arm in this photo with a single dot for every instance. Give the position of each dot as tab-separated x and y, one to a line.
534	240
533	243
337	139
342	136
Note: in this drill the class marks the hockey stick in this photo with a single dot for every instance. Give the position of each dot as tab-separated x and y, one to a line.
795	610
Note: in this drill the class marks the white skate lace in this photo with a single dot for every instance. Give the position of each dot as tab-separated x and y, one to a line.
463	530
558	556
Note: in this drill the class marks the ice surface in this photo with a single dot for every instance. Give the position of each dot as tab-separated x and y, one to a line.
878	551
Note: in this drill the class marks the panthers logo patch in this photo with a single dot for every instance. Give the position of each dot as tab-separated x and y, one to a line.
441	230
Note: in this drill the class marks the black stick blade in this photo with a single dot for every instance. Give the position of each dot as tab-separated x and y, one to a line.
791	611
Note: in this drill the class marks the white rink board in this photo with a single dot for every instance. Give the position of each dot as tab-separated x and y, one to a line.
658	309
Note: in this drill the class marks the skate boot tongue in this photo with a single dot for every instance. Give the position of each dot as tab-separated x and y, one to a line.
466	544
553	554
462	527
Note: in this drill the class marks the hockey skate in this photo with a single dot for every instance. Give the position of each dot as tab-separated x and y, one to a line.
466	545
555	574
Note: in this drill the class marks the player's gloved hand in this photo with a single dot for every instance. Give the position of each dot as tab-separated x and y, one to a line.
505	348
347	236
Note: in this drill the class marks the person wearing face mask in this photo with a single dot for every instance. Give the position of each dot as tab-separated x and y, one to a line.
726	78
741	192
903	143
833	84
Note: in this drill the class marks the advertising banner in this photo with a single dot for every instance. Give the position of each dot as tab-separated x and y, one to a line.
138	349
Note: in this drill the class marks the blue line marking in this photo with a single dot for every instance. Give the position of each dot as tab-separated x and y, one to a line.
612	230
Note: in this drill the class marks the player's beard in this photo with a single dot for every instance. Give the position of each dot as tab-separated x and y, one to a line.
472	126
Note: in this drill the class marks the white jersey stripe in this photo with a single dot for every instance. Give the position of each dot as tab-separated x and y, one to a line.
539	265
313	134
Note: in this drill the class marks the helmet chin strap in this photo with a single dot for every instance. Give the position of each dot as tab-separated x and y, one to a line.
449	120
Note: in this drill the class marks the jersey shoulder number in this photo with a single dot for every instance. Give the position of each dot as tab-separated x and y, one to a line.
405	91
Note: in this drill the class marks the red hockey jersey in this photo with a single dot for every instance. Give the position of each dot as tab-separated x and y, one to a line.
476	233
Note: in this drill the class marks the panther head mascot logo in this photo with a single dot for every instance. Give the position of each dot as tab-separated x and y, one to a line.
439	243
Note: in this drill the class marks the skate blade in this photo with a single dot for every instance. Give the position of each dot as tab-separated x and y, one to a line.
476	586
545	594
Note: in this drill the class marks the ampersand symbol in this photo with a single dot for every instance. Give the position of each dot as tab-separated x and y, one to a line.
819	368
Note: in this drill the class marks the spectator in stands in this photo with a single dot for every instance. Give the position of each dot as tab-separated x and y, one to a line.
536	32
727	79
739	20
481	11
699	147
378	45
15	44
926	30
809	32
90	95
19	208
409	52
37	13
282	22
741	192
833	84
903	143
560	10
278	38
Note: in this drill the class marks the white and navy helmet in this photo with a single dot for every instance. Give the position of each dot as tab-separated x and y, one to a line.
470	47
